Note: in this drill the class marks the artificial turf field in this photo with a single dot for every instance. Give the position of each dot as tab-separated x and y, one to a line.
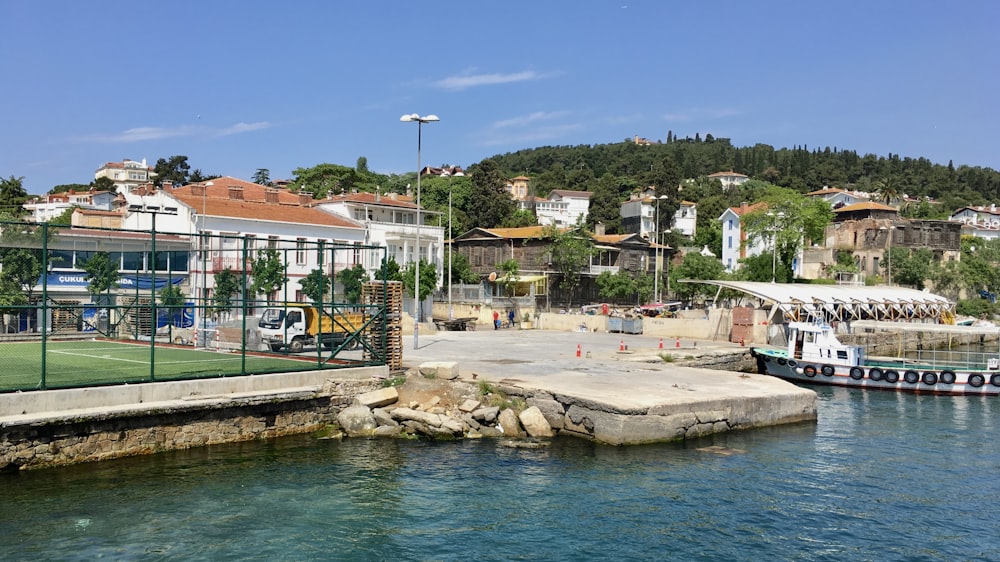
96	362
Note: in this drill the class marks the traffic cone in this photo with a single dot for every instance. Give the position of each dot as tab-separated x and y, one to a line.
677	343
621	346
661	343
577	350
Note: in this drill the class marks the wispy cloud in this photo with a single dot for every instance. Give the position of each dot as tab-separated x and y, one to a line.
699	113
468	80
525	120
139	134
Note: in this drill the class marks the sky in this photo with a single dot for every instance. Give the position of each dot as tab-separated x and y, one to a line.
237	86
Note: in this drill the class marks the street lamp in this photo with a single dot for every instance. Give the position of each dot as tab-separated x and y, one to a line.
413	117
451	315
656	234
888	253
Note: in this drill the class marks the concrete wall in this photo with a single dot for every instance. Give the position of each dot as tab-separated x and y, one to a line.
713	324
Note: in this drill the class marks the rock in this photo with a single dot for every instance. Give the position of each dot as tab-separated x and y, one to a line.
388	430
486	415
552	410
471	421
489	431
534	423
379	398
452	425
509	423
407	414
469	405
383	417
357	421
447	370
415	427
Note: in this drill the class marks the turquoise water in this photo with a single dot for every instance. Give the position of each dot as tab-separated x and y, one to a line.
881	476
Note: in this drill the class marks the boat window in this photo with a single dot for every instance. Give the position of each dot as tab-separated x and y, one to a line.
841	354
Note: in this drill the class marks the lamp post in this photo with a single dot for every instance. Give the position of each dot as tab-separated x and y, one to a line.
776	220
450	247
656	234
204	268
413	117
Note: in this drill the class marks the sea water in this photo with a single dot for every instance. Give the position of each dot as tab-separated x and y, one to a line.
880	476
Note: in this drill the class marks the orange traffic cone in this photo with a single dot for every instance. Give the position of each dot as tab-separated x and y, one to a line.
677	343
577	350
621	346
661	343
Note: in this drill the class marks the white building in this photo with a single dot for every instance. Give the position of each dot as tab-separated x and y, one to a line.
639	216
390	221
981	222
236	213
839	197
47	207
729	179
127	174
562	208
736	245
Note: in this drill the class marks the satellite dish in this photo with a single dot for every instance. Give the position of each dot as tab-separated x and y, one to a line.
493	276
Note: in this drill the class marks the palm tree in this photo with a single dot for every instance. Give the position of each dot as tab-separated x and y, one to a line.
888	190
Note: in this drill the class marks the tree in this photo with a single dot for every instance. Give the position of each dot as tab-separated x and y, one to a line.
66	218
175	169
268	273
696	267
316	286
489	203
909	267
888	190
101	273
520	217
171	298
571	251
511	274
786	220
352	280
623	286
103	183
361	166
324	179
78	187
13	196
262	176
227	285
461	271
428	278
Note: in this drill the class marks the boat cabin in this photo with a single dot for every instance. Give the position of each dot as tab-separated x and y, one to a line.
817	342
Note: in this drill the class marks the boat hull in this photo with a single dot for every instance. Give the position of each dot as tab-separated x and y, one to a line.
923	379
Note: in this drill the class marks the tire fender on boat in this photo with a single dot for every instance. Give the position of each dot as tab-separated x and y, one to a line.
875	374
809	371
857	373
995	379
930	378
911	377
976	380
947	377
782	361
891	376
828	370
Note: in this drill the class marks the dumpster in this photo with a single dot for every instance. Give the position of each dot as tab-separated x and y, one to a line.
615	323
632	325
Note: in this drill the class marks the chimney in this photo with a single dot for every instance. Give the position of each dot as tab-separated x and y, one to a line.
236	192
305	199
167	185
270	195
599	229
743	207
198	189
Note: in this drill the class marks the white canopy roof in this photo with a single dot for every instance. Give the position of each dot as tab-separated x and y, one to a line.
808	302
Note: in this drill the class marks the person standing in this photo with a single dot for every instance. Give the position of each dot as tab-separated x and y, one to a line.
496	320
510	318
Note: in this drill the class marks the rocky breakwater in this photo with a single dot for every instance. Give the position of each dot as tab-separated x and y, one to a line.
432	403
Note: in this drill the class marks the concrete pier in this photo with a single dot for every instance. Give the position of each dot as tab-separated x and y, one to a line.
619	390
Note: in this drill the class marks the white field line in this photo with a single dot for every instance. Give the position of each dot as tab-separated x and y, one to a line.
75	353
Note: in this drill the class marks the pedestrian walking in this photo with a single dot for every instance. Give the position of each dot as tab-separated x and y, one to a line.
510	318
496	320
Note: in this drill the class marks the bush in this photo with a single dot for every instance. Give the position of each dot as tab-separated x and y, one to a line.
978	308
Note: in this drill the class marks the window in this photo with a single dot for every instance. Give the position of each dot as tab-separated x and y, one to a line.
729	224
300	251
356	258
729	242
272	242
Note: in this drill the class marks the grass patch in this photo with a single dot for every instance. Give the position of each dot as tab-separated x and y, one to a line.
667	358
394	381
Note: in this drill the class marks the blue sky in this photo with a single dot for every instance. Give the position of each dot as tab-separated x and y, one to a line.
238	86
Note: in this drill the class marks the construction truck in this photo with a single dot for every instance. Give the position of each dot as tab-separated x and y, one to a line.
297	325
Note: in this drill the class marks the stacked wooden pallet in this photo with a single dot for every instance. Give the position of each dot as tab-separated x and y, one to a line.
386	296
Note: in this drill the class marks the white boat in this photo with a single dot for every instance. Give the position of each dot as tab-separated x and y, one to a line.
815	355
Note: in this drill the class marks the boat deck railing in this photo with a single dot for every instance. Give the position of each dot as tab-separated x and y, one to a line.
941	359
